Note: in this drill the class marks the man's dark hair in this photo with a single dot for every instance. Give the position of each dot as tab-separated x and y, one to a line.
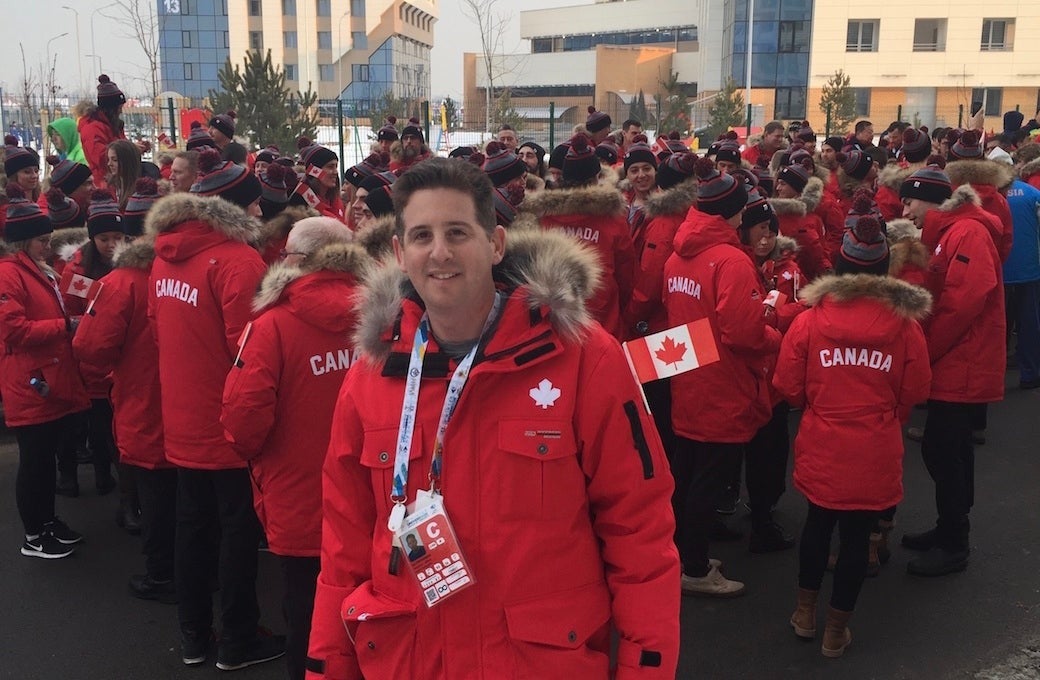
629	123
863	125
505	126
773	126
446	173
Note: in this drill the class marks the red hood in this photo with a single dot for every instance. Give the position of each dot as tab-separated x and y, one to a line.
186	240
323	299
938	221
861	322
700	231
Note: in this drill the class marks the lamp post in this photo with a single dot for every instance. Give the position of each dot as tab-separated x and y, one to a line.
339	60
50	67
79	51
750	58
93	47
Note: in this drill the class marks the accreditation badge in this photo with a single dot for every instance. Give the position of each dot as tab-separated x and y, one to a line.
427	541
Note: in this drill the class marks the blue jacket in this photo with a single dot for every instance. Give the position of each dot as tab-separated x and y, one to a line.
1023	264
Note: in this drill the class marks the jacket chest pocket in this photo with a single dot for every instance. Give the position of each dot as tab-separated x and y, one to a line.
378	455
537	469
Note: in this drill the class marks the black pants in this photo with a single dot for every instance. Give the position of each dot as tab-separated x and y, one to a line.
854	527
659	396
949	455
206	500
765	471
158	494
74	436
99	428
38	447
300	576
702	471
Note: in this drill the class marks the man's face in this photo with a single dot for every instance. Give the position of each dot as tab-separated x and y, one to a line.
81	194
773	140
866	135
358	207
181	175
219	137
446	253
411	145
385	144
508	139
914	209
259	167
828	157
530	158
598	137
725	167
39	248
642	176
785	190
555	175
763	240
630	133
329	175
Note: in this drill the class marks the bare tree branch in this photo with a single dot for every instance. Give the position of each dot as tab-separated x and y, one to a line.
139	22
492	25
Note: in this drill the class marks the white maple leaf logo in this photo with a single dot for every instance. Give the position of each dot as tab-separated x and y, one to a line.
545	395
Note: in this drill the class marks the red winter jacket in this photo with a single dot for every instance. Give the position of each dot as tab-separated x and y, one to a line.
710	277
116	337
554	479
278	399
780	272
908	257
36	342
95	134
890	179
823	205
987	178
594	215
664	213
805	227
78	287
203	280
966	330
857	363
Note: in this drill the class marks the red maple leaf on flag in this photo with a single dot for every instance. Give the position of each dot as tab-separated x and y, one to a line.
79	284
671	352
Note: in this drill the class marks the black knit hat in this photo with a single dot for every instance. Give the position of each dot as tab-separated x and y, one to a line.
275	183
314	155
103	213
63	211
718	194
558	154
967	147
379	179
374	163
917	145
199	137
607	151
639	151
502	165
597	120
729	152
505	213
25	220
835	143
146	193
380	201
413	129
856	163
388	132
794	175
864	249
67	175
226	179
675	168
462	152
538	149
928	184
758	210
766	183
108	94
268	154
580	165
225	123
18	157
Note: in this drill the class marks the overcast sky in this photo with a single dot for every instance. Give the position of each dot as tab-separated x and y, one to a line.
37	25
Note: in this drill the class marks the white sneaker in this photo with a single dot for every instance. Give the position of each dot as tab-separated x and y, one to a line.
712	584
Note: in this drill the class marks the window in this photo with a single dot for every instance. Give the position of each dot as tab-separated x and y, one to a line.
997	34
189	72
289	8
862	95
359	73
990	98
359	40
289	39
326	72
357	8
254	8
930	35
324	40
862	35
324	8
794	36
185	38
256	40
185	7
227	42
541	45
223	7
290	72
789	103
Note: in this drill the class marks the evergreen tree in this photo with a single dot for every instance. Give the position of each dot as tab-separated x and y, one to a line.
452	114
267	111
506	114
390	105
637	109
837	95
675	113
726	110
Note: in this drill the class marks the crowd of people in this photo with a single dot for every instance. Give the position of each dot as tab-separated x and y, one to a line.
255	347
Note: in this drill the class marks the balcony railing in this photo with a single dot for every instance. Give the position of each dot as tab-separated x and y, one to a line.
929	46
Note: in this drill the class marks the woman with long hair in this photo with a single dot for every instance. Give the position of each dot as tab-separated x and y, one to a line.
124	169
22	167
319	187
100	126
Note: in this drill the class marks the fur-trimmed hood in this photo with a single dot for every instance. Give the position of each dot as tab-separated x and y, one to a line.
534	183
556	272
785	247
899	229
137	255
789	206
906	300
962	196
846	184
812	194
893	176
908	252
377	238
277	228
1027	170
674	201
983	171
65	242
346	258
596	199
222	216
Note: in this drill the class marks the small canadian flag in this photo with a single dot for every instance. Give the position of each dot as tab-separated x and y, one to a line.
671	352
80	286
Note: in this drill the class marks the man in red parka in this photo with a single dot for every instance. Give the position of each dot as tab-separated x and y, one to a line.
202	283
279	398
548	466
966	347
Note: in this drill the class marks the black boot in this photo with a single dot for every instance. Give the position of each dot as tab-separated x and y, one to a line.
923	540
768	536
938	562
128	516
146	588
67	485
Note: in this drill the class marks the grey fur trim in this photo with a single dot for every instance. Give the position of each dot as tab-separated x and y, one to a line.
674	201
899	229
337	257
378	239
788	206
534	183
907	251
1027	170
962	196
223	216
278	227
983	171
893	176
812	194
136	255
906	300
782	247
591	200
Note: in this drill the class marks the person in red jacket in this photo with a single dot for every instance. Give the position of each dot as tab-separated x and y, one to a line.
101	126
202	282
990	180
967	351
595	215
797	221
552	476
319	187
856	363
718	408
908	257
279	398
914	152
39	383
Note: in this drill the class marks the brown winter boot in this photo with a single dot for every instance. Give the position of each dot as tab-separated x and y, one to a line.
883	552
804	618
873	562
836	634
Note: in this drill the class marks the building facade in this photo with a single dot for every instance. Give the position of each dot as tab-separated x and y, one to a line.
193	45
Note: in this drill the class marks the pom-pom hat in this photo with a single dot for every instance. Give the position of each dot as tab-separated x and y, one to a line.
796	176
62	210
413	129
639	151
146	193
25	220
580	165
373	164
226	179
199	137
314	155
967	147
916	146
502	165
607	151
718	194
596	120
864	248
675	168
103	214
856	163
225	123
17	157
108	93
67	175
388	133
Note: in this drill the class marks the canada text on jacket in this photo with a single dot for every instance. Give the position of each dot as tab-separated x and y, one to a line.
855	356
583	233
339	360
681	284
177	289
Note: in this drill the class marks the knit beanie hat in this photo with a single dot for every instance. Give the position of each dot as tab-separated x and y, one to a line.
380	179
225	122
607	151
505	213
558	154
501	164
461	152
226	179
758	210
146	193
199	137
929	184
374	163
863	204
67	175
286	161
855	163
766	184
268	154
796	176
62	210
25	220
275	181
864	249
580	165
835	143
728	151
538	149
806	133
314	156
917	145
1013	121
413	129
597	120
380	201
103	213
677	167
17	157
389	131
718	194
802	157
967	147
108	93
639	151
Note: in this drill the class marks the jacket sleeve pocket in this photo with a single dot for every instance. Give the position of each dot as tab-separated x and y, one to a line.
538	469
383	631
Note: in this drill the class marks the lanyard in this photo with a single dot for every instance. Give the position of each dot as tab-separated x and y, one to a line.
398	491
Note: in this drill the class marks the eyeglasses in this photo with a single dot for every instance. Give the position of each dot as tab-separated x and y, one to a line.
283	253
